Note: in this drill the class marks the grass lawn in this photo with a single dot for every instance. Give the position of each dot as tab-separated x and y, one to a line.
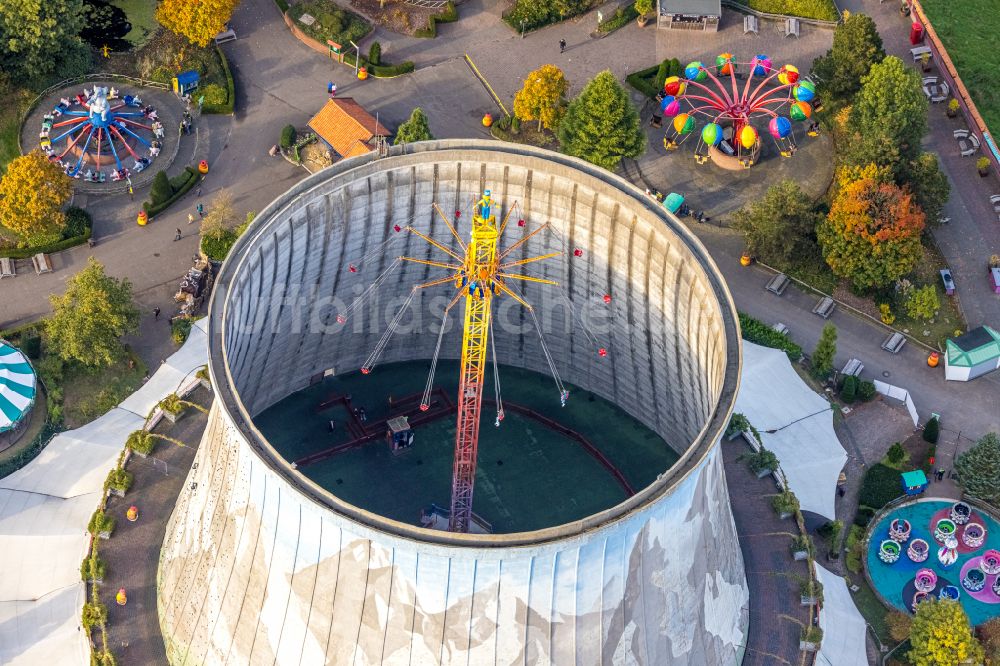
872	609
89	393
142	15
331	22
968	30
10	125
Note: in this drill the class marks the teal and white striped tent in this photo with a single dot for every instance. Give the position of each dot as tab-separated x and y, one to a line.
17	387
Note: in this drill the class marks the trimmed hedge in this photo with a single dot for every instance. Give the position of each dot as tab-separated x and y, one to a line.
192	178
51	248
449	16
619	19
389	71
760	333
639	80
28	453
226	108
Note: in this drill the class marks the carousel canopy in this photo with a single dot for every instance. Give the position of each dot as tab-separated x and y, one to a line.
17	386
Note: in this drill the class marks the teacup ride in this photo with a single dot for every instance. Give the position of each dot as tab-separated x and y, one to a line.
944	530
948	553
974	535
917	598
960	513
899	530
888	551
949	592
918	550
990	562
974	580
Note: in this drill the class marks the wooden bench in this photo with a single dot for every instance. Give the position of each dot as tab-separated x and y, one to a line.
853	368
894	343
42	263
825	307
791	27
7	268
751	24
919	52
778	284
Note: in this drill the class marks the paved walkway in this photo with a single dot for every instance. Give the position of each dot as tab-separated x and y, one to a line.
776	614
133	552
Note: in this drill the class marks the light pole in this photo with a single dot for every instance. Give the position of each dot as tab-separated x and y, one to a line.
522	28
357	57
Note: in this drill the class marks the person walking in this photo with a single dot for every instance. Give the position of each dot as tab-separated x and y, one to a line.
562	45
177	236
190	218
201	210
156	314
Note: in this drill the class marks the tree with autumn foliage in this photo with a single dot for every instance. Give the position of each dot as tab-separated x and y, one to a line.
940	635
32	195
872	234
542	97
198	21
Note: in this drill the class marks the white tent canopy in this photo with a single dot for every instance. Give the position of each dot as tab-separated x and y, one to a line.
795	423
843	626
44	510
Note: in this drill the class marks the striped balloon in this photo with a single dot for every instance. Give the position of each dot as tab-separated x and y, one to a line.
725	65
669	106
17	386
673	86
780	127
762	66
695	72
711	134
683	123
788	74
804	91
800	111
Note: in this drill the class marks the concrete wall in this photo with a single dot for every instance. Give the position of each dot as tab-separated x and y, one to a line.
260	565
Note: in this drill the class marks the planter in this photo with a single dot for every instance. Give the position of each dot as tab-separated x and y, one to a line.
171	416
764	472
808	601
950	113
140	454
205	384
800	555
785	514
104	535
984	172
642	21
806	646
117	492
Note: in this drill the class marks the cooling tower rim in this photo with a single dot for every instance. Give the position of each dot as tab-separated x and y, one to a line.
371	525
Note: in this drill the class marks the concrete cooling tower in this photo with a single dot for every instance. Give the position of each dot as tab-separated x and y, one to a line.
263	564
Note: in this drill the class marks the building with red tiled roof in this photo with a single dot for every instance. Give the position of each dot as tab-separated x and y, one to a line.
347	128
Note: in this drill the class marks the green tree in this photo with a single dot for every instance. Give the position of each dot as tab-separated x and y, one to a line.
542	97
931	431
89	320
161	189
414	129
38	36
826	349
856	47
198	21
872	234
601	125
888	118
929	185
941	636
780	226
979	468
922	303
32	195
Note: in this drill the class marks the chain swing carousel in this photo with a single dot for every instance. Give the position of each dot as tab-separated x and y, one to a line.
730	138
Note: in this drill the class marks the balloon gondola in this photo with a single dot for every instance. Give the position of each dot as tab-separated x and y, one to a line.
734	98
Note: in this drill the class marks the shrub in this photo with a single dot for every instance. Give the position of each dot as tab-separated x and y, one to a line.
885	312
811	588
831	531
739	423
896	454
448	16
640	80
620	19
230	100
92	568
217	248
161	190
785	502
801	543
186	178
661	74
215	95
855	548
389	71
866	391
983	163
812	634
760	333
881	485
899	625
849	391
515	124
931	431
119	479
762	460
32	346
180	328
864	516
95	614
141	441
78	222
823	10
100	522
287	137
375	54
